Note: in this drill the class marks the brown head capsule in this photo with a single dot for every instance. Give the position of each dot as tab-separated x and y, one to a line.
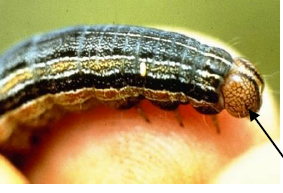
242	89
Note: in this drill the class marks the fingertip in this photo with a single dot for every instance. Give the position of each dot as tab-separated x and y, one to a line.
9	174
259	165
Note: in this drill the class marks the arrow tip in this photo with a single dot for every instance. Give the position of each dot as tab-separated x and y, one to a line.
253	115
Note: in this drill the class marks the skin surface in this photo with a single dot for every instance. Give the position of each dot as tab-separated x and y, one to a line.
241	170
9	174
105	145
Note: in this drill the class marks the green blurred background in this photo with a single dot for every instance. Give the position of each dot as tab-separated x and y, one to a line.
251	26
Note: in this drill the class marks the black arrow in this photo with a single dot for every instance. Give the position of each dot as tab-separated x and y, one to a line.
253	116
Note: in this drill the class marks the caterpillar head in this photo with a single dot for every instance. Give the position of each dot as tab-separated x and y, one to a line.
242	89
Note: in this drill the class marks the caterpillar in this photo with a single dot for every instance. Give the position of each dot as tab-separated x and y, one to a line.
77	67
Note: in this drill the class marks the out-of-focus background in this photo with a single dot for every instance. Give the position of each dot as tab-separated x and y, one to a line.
251	27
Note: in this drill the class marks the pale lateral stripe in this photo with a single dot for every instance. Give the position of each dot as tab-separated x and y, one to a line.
83	59
244	70
19	87
71	72
114	57
12	75
206	74
205	87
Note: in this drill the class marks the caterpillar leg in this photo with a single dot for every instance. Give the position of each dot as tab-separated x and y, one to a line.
179	117
215	122
142	113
